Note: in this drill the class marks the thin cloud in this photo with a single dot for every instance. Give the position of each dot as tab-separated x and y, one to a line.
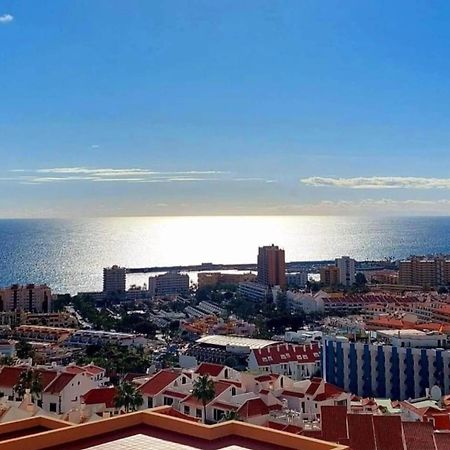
379	182
121	175
6	18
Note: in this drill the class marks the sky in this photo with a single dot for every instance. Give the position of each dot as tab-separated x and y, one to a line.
141	107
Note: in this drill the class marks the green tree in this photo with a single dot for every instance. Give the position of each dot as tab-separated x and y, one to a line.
24	349
204	391
29	379
128	397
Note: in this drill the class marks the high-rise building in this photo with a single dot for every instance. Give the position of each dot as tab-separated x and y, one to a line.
425	271
169	283
329	275
30	298
347	270
271	266
114	279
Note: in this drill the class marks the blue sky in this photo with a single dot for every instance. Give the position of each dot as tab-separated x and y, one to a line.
147	107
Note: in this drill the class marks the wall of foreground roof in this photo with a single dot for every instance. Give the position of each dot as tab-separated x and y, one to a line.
156	418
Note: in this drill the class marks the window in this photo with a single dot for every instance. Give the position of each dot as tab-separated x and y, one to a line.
233	391
149	402
218	414
198	412
183	380
187	410
52	407
168	401
39	403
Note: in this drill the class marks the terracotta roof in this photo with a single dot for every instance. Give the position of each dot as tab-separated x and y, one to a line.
159	381
9	376
130	376
314	386
284	353
93	369
388	432
209	369
97	396
441	421
268	377
74	369
360	431
174	394
418	435
174	413
225	406
253	407
293	394
442	441
334	423
330	391
219	387
59	383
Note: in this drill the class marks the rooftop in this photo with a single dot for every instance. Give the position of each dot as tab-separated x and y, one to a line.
224	341
156	430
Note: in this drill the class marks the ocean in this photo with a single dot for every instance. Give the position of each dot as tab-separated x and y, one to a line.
69	255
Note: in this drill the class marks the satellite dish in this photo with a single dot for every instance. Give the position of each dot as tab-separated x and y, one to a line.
436	393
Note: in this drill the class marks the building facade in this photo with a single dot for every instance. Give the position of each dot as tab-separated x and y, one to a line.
347	270
170	283
271	266
425	271
378	370
114	280
30	298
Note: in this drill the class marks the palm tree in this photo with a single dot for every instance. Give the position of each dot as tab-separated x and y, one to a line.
204	391
230	415
29	379
128	397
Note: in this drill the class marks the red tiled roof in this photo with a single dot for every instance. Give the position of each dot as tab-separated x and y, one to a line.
219	387
312	388
225	406
131	376
174	413
74	369
174	394
97	396
253	407
93	369
284	353
388	432
330	391
268	377
334	422
442	440
360	431
292	394
159	381
441	421
418	435
9	376
59	383
209	369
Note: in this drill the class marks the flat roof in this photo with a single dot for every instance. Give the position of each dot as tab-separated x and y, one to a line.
224	341
408	333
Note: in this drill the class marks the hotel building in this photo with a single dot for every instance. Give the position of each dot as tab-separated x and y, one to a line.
402	369
425	271
30	298
271	266
170	283
114	279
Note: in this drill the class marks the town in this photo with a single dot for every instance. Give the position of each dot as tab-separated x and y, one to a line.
338	355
